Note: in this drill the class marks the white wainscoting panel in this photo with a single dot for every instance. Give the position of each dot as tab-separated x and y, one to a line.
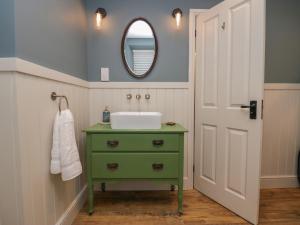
281	135
32	196
42	198
45	196
174	103
9	193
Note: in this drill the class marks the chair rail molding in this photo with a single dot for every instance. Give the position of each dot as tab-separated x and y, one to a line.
15	64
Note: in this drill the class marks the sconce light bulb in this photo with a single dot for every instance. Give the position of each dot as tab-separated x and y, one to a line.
98	19
178	18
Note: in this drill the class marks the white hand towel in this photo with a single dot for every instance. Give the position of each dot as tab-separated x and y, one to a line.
69	156
55	152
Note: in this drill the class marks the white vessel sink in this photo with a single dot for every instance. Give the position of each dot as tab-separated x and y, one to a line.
136	120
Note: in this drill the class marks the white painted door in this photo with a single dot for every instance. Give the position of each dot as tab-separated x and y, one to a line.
229	74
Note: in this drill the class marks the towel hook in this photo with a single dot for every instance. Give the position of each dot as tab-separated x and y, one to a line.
54	96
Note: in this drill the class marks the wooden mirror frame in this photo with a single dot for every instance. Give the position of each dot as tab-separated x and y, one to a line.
123	53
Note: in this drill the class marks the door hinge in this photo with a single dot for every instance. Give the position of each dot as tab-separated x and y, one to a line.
193	168
262	109
195	33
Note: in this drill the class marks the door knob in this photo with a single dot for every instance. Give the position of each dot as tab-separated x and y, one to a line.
252	109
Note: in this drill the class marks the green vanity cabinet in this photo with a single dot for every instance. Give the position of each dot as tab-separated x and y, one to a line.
120	155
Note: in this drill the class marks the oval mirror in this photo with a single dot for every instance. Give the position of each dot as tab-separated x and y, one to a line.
139	47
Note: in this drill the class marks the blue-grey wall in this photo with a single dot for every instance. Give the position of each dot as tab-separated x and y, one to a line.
104	45
53	34
7	27
50	33
283	41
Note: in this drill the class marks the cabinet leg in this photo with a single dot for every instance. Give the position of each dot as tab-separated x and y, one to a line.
180	174
103	187
180	197
172	187
90	199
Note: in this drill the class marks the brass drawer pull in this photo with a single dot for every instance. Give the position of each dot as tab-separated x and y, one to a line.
158	142
113	143
112	166
157	166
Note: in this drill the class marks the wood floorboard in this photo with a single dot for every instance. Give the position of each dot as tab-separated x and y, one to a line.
277	207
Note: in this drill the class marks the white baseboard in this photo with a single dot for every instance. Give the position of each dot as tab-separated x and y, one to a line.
72	211
282	86
279	182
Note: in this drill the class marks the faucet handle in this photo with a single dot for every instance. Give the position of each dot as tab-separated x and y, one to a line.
138	96
129	96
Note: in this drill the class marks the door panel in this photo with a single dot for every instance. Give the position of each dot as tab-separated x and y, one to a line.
238	54
236	151
210	62
207	101
209	147
229	74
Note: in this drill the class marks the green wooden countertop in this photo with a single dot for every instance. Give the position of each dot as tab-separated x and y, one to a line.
106	128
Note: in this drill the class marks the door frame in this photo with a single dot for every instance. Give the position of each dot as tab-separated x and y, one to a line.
192	40
192	71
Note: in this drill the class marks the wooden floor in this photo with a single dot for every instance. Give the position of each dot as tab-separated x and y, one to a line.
278	207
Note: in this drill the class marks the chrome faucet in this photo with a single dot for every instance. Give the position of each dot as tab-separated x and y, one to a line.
138	96
129	96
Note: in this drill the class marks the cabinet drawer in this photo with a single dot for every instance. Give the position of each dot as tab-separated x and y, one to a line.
135	142
134	165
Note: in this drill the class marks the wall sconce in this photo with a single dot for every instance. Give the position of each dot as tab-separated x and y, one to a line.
177	14
100	14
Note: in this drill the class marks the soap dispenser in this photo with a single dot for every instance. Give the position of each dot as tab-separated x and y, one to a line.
106	115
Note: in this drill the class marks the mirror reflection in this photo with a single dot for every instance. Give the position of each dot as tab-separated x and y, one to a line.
139	48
